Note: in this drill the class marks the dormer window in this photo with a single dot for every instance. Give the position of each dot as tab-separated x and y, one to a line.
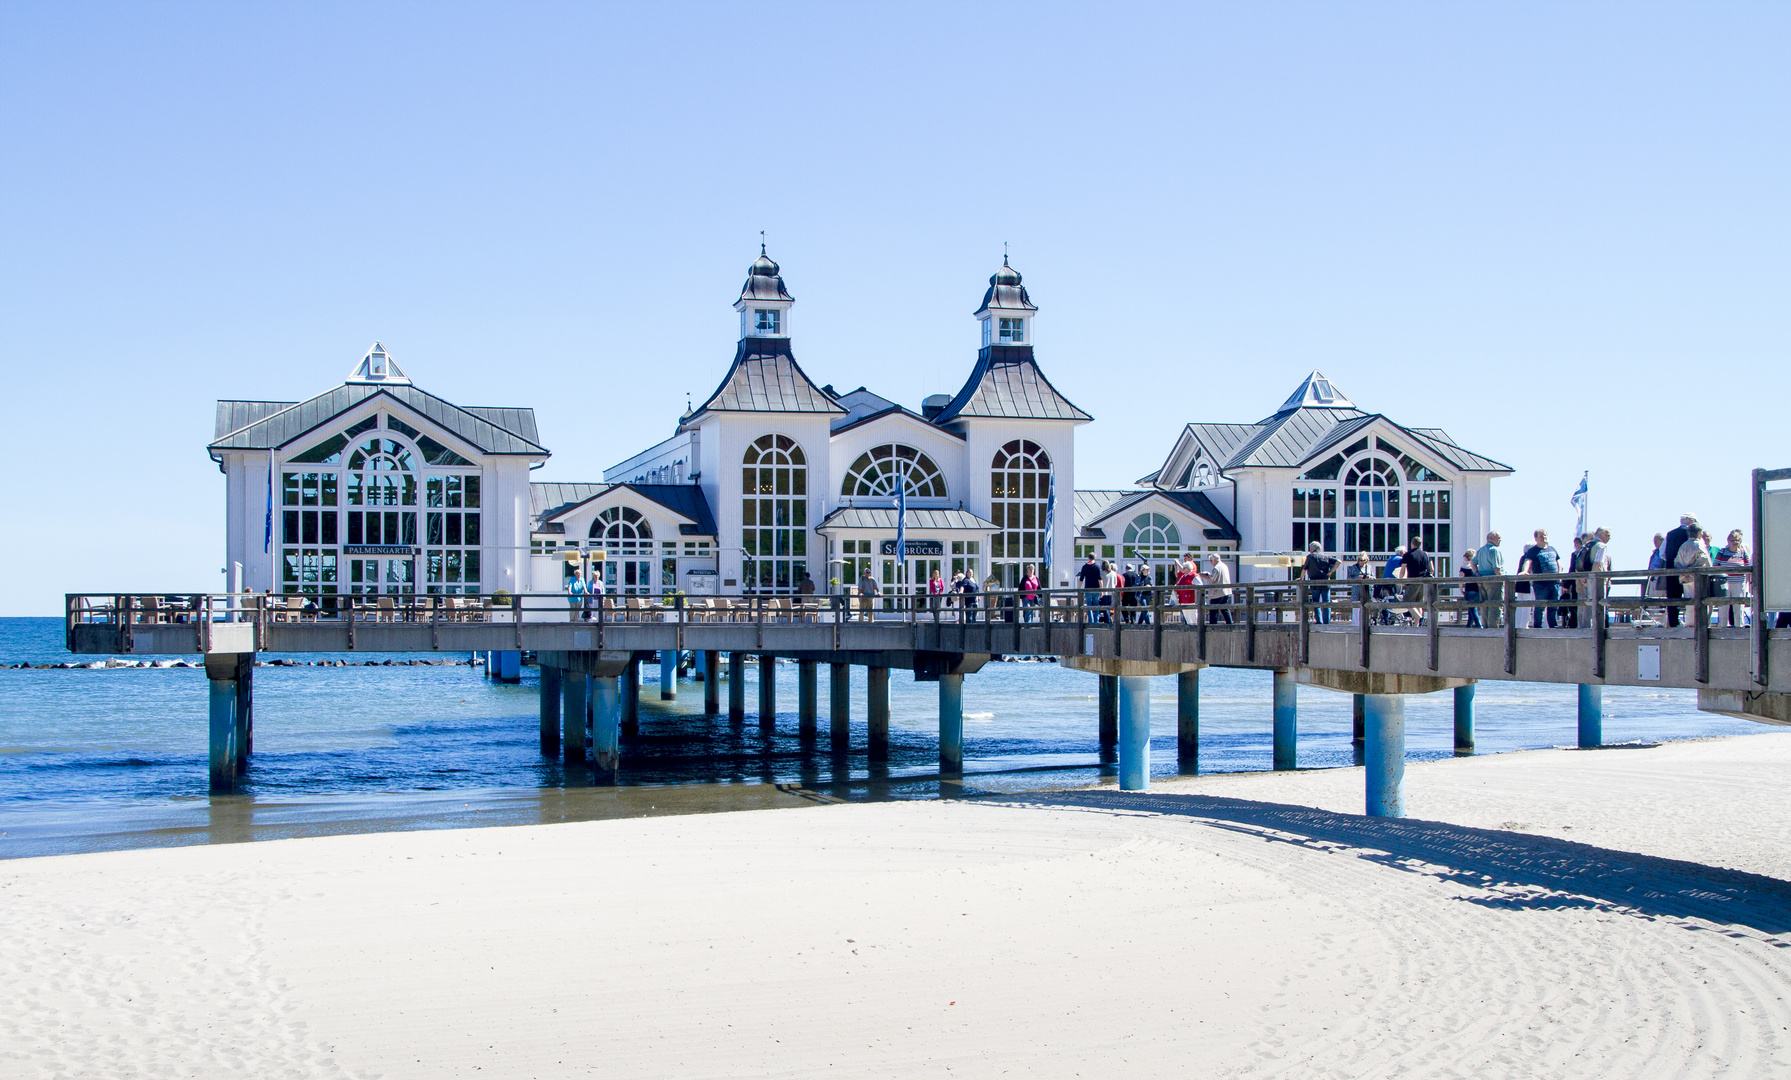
1013	331
765	320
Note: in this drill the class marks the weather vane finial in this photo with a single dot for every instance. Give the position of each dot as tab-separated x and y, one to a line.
1004	253
761	241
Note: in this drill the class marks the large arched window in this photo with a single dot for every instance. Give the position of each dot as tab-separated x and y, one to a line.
1019	489
774	514
1154	539
381	539
876	471
627	541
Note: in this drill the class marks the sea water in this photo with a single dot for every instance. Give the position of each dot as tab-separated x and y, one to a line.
116	757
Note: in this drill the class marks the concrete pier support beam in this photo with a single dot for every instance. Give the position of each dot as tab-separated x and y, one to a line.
505	666
224	673
1107	699
606	743
767	691
839	704
1287	720
736	686
877	708
951	725
1385	723
806	694
1134	732
574	702
631	698
1591	716
711	682
245	712
668	674
1358	707
1464	719
550	711
1187	721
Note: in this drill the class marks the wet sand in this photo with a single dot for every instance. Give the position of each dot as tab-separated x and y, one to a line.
1548	913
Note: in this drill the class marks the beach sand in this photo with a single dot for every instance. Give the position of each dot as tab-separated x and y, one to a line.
1615	913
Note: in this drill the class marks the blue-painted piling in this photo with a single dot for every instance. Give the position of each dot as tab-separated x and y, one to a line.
668	674
505	666
1287	720
951	725
839	705
631	698
1591	716
736	685
550	711
573	704
605	723
767	691
1187	721
223	733
1134	732
1384	723
1464	719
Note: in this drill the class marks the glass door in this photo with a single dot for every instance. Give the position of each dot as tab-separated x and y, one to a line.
628	577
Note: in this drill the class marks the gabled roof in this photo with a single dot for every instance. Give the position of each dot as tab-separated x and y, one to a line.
1007	383
848	423
1286	439
1194	502
550	501
884	517
236	415
268	427
765	378
1449	450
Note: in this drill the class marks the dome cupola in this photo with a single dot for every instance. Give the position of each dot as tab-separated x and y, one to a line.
764	303
1006	312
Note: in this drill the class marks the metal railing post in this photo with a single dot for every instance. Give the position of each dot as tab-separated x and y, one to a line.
1701	629
1435	628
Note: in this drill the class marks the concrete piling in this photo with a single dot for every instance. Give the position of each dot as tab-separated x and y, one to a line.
711	682
225	675
1286	723
839	704
574	698
1187	721
736	686
1358	707
668	674
631	698
806	692
1591	716
1464	719
605	721
951	725
767	692
1385	729
1134	732
550	711
877	708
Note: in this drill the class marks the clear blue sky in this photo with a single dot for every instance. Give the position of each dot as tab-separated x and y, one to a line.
1559	232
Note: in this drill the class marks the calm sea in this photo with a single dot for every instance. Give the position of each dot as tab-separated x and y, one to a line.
113	758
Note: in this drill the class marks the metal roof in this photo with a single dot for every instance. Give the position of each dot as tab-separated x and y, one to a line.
1194	502
548	501
884	517
1317	392
1092	504
277	428
766	378
1286	439
1006	292
520	421
1007	383
847	423
236	415
763	282
1447	449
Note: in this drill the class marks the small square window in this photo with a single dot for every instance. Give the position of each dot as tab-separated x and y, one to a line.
765	320
1013	330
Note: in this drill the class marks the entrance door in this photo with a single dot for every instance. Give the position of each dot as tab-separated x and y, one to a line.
921	571
628	577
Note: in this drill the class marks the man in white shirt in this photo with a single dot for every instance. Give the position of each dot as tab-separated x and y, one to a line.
1218	574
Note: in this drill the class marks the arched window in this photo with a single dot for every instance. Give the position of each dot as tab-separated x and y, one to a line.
875	474
1155	539
381	474
1371	506
627	550
774	514
1019	489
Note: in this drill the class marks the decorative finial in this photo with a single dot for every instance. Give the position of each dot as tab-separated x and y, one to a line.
761	241
1004	253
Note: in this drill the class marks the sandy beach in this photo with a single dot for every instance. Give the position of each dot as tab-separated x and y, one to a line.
1614	913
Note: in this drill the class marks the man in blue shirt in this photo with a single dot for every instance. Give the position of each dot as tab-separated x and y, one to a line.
1489	561
1542	558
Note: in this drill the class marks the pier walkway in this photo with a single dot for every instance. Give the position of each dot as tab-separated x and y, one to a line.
1378	639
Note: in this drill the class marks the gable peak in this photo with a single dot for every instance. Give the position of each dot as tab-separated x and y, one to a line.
378	367
1316	392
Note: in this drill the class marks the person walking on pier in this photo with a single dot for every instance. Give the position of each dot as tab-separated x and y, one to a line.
575	595
1219	574
868	591
1319	567
1669	557
1734	553
1489	561
1090	577
1470	592
1417	565
967	590
1542	558
1187	575
1029	594
1360	571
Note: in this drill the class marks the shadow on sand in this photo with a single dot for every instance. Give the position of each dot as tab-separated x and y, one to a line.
1517	870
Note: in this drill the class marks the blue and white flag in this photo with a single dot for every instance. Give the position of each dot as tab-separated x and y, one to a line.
1050	527
1582	501
267	529
901	549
